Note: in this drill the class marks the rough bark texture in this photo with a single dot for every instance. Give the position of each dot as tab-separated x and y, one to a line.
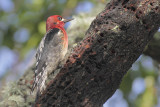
95	68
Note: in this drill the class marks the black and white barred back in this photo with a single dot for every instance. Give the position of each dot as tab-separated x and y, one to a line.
49	54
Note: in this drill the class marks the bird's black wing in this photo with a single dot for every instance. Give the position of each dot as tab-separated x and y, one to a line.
41	55
45	41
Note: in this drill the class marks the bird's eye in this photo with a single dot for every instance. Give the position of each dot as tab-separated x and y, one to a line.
59	18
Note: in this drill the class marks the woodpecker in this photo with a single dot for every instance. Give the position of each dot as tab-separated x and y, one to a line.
51	51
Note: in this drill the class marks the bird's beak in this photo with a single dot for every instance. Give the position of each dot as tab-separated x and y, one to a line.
66	20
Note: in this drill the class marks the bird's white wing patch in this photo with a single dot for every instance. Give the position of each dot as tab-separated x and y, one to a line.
40	49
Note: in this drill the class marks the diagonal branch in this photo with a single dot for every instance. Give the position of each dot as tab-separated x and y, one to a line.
95	68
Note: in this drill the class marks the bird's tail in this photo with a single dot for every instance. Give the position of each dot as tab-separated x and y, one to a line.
39	83
34	86
34	83
36	99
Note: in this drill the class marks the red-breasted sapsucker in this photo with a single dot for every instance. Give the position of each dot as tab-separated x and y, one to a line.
51	51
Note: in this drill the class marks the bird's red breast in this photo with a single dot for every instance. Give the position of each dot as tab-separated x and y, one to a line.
64	39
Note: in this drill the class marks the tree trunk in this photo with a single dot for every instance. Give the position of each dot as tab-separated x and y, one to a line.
96	66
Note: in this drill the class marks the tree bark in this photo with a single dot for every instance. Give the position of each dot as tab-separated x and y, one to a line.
96	66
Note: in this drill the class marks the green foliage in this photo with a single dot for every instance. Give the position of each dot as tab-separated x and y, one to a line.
149	97
31	15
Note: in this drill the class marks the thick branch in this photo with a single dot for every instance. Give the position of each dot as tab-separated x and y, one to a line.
95	68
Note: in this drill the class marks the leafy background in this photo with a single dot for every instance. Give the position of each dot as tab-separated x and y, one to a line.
22	25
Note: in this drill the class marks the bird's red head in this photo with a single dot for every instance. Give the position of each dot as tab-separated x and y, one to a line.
56	21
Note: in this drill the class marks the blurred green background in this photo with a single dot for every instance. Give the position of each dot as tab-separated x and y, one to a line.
22	25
